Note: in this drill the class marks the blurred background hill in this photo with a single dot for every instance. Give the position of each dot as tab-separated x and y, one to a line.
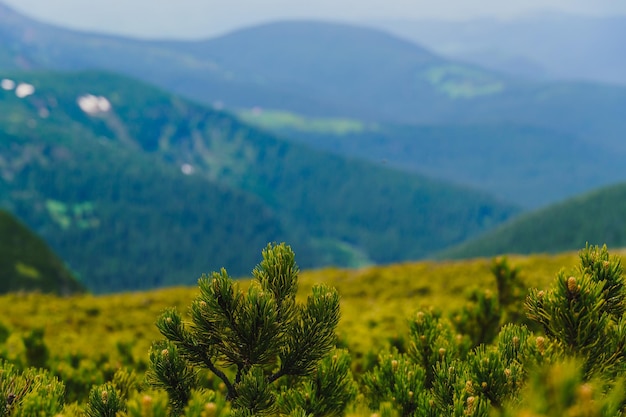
145	162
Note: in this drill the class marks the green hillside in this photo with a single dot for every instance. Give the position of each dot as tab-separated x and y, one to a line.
119	217
528	165
155	189
597	218
123	221
27	263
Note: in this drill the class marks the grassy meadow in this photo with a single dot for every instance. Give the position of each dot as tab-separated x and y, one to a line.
89	342
376	304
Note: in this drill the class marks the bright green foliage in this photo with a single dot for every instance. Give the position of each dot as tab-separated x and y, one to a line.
104	401
485	312
510	289
4	336
153	404
491	376
395	379
111	398
597	263
581	313
459	387
36	350
254	396
486	378
582	317
433	342
562	390
480	317
81	373
205	403
222	362
125	382
249	339
170	371
32	392
326	392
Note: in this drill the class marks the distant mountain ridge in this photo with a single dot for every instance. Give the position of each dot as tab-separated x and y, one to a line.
325	69
284	64
540	45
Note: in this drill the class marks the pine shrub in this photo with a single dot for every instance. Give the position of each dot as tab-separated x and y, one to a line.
266	348
32	392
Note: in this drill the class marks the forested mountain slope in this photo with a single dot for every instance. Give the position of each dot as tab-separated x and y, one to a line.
138	188
27	263
596	218
531	166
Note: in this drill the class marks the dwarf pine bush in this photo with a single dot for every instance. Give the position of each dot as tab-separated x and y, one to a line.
576	365
266	348
584	313
32	392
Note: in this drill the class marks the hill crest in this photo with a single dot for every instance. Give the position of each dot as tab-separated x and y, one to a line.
596	217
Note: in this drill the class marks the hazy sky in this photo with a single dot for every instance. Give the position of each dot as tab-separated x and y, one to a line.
205	18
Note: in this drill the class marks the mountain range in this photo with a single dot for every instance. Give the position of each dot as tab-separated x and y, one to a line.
548	46
138	186
318	69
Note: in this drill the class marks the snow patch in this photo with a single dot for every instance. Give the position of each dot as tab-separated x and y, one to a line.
24	90
7	84
93	105
186	169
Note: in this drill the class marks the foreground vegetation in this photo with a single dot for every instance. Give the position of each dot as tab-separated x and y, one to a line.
414	339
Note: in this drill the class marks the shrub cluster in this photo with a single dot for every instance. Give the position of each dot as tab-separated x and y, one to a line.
262	350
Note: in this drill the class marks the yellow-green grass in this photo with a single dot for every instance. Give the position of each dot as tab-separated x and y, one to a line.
376	303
